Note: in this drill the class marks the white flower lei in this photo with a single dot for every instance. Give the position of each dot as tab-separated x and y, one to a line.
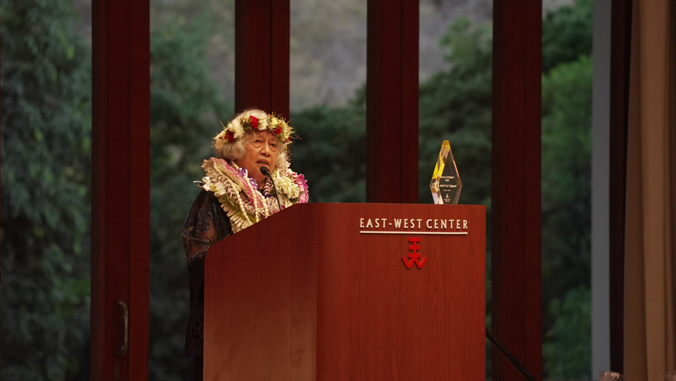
238	195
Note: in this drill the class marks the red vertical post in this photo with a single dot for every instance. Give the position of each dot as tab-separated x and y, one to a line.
516	285
392	101
0	176
121	190
262	55
620	58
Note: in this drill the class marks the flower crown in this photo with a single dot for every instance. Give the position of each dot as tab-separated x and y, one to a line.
237	127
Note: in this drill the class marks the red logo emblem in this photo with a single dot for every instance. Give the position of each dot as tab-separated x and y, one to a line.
414	257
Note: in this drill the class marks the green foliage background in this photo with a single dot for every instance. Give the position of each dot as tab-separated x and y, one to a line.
185	107
46	124
46	119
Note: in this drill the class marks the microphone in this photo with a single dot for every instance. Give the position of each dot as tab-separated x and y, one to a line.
266	172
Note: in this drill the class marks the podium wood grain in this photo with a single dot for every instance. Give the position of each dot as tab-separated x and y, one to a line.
303	295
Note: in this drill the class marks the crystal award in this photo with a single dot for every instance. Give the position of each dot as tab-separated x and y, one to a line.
446	184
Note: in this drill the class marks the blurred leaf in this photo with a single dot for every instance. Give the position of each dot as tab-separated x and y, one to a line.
567	34
565	355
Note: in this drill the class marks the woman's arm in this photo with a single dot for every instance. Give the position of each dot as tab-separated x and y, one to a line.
200	231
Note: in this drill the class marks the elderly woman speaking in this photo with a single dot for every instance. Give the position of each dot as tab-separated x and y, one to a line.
238	190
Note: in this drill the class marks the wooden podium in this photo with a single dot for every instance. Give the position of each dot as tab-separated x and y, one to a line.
325	292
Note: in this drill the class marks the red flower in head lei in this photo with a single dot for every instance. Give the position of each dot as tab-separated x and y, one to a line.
251	122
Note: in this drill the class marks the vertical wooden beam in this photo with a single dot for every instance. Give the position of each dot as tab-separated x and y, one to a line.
516	285
139	188
262	55
392	101
121	188
620	57
0	176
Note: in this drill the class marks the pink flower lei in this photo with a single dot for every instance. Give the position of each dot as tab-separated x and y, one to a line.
240	198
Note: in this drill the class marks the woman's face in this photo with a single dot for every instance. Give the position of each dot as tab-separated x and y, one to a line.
261	151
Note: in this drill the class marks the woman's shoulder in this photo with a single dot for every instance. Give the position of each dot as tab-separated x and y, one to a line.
207	209
204	198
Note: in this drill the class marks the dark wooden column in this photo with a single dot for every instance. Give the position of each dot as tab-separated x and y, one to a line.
620	57
262	55
392	101
516	304
0	173
121	188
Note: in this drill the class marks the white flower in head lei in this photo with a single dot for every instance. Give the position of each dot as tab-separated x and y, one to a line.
238	193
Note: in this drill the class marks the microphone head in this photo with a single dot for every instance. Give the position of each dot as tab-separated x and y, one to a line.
265	171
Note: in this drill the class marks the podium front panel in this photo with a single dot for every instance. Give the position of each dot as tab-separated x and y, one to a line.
350	291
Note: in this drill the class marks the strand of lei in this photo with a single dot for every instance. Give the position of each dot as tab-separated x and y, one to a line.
233	189
239	199
241	204
253	197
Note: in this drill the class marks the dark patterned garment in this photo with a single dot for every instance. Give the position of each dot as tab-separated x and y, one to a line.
206	224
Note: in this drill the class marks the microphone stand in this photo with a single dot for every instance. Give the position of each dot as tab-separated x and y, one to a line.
509	356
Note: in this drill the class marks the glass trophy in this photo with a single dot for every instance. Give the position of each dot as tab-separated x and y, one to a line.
446	184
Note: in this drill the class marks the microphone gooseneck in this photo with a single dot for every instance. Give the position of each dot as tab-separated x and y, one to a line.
266	172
